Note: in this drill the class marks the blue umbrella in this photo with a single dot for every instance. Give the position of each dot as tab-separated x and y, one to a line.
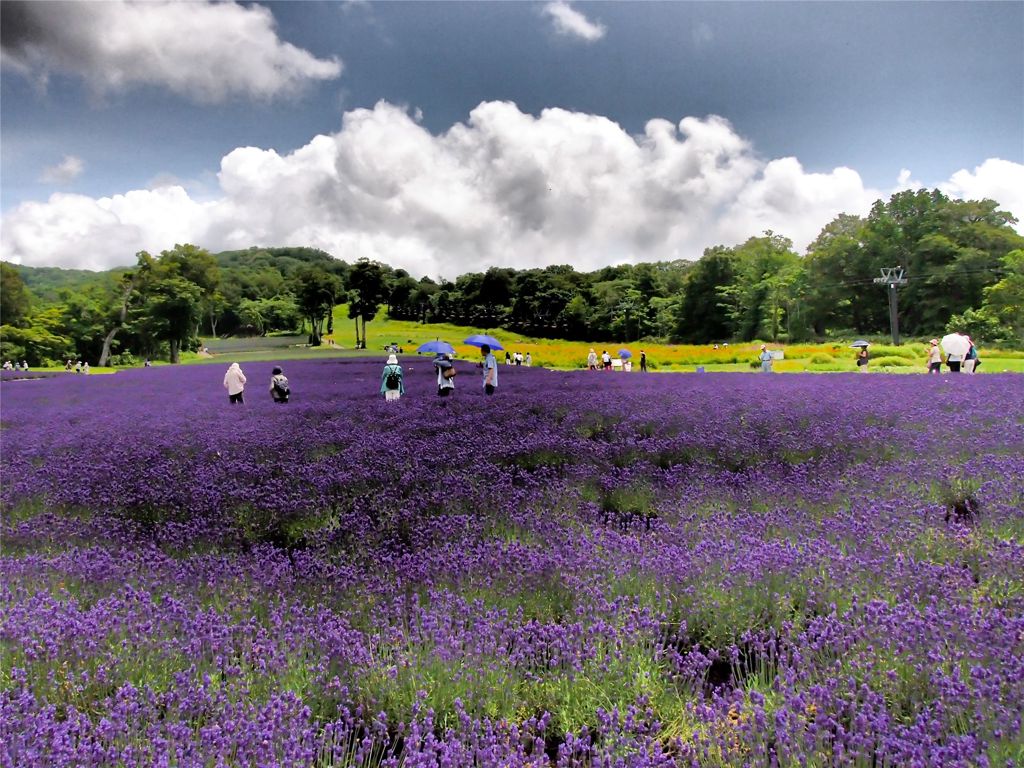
479	339
625	354
436	347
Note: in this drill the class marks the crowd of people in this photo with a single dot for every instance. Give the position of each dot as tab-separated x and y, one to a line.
392	378
9	366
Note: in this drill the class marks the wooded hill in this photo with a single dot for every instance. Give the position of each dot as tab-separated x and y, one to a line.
964	261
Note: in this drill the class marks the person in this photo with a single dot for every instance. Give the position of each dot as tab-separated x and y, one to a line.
392	380
279	389
78	366
518	357
606	360
148	363
715	346
490	369
971	361
8	366
862	360
234	383
445	375
766	359
953	361
592	360
85	367
24	365
643	361
67	366
508	357
934	357
529	360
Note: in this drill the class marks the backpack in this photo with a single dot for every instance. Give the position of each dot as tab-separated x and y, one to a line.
281	386
392	380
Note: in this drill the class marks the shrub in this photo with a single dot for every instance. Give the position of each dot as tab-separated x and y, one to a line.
891	361
822	359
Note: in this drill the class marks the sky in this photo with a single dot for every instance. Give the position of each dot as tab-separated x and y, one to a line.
450	137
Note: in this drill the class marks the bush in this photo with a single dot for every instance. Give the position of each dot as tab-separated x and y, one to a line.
891	361
822	359
884	350
125	359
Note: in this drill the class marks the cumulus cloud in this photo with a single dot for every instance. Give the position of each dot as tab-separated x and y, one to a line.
996	179
571	23
66	171
504	188
204	51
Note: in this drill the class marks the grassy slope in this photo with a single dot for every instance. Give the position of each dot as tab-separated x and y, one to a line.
564	354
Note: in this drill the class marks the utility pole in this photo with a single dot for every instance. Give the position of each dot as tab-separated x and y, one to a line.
893	277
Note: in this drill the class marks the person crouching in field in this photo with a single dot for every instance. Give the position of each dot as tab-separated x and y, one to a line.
392	380
279	389
234	383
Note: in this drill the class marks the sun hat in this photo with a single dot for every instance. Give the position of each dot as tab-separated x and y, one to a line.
392	360
934	342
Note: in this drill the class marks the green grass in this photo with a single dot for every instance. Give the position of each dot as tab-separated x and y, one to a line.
383	331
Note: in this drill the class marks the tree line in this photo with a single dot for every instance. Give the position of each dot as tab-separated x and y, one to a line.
964	261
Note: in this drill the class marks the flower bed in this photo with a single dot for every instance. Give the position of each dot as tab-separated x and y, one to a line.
584	569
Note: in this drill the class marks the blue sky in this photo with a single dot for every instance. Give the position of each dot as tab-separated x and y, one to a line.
425	134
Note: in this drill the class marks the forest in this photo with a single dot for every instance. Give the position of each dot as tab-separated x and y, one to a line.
963	260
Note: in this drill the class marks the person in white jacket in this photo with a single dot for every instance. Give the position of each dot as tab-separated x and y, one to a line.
234	383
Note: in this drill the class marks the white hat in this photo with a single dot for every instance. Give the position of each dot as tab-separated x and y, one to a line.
392	360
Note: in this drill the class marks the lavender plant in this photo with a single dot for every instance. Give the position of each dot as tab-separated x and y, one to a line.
585	569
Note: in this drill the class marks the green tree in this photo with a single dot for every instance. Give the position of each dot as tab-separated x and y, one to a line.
367	290
701	315
15	299
316	292
171	312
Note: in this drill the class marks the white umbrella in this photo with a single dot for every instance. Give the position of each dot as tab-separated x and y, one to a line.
956	345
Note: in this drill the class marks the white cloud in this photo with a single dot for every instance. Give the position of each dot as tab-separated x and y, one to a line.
571	23
998	180
66	171
504	188
204	51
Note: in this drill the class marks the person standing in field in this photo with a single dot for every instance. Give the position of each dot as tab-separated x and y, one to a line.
234	383
279	389
445	375
592	360
606	360
529	360
971	361
643	361
392	380
862	360
934	357
490	368
508	358
766	359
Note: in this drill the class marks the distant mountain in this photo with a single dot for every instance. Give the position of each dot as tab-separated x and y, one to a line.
47	283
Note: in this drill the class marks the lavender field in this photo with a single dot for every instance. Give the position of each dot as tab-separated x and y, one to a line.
583	570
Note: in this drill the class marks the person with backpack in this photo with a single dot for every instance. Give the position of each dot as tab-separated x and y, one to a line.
971	360
445	375
279	389
392	380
